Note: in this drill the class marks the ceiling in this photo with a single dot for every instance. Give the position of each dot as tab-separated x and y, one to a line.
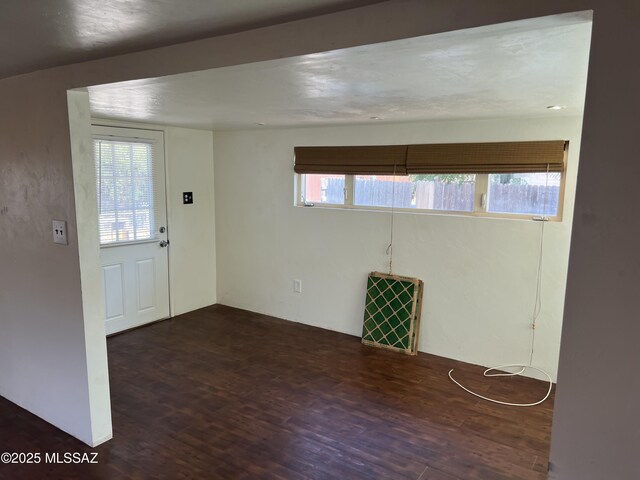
508	70
40	34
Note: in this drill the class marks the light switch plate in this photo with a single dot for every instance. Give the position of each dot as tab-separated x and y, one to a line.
60	232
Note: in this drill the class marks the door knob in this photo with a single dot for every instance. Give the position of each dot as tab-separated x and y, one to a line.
164	243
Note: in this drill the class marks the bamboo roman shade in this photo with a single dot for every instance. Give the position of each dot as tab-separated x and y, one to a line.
493	157
372	160
490	157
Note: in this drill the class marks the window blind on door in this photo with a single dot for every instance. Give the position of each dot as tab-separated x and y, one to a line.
126	185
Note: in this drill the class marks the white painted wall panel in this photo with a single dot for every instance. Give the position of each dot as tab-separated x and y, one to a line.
113	290
146	283
192	253
91	273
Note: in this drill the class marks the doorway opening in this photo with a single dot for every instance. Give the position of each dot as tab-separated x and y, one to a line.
495	83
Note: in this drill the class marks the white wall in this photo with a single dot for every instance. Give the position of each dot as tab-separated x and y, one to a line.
93	307
43	343
191	228
192	251
479	273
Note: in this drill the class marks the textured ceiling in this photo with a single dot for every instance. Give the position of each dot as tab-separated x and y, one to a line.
509	70
36	34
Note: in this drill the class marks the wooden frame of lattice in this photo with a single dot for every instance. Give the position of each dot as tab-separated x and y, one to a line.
392	312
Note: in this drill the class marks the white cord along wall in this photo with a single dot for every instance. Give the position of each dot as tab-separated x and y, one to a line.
537	307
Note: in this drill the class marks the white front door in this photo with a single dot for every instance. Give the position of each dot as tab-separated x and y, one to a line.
132	215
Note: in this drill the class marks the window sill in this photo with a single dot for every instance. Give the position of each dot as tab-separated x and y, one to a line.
440	213
129	242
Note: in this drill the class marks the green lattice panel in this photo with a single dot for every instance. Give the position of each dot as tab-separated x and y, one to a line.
392	312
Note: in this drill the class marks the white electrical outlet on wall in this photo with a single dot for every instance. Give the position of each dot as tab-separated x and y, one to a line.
60	232
297	286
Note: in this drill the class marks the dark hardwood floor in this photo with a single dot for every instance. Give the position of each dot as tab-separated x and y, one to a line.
222	393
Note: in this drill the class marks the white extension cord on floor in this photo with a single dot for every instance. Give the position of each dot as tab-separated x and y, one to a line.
506	374
536	312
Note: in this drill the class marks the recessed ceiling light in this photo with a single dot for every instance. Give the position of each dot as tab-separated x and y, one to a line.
556	107
260	123
375	118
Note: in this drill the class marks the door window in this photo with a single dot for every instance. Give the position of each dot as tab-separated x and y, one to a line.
125	190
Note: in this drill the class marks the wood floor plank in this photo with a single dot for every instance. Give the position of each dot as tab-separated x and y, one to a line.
222	393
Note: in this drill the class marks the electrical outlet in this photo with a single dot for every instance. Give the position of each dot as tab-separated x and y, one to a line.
297	286
60	232
187	198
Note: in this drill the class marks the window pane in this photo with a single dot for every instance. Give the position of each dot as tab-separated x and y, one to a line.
525	193
428	192
383	191
124	181
452	192
323	188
